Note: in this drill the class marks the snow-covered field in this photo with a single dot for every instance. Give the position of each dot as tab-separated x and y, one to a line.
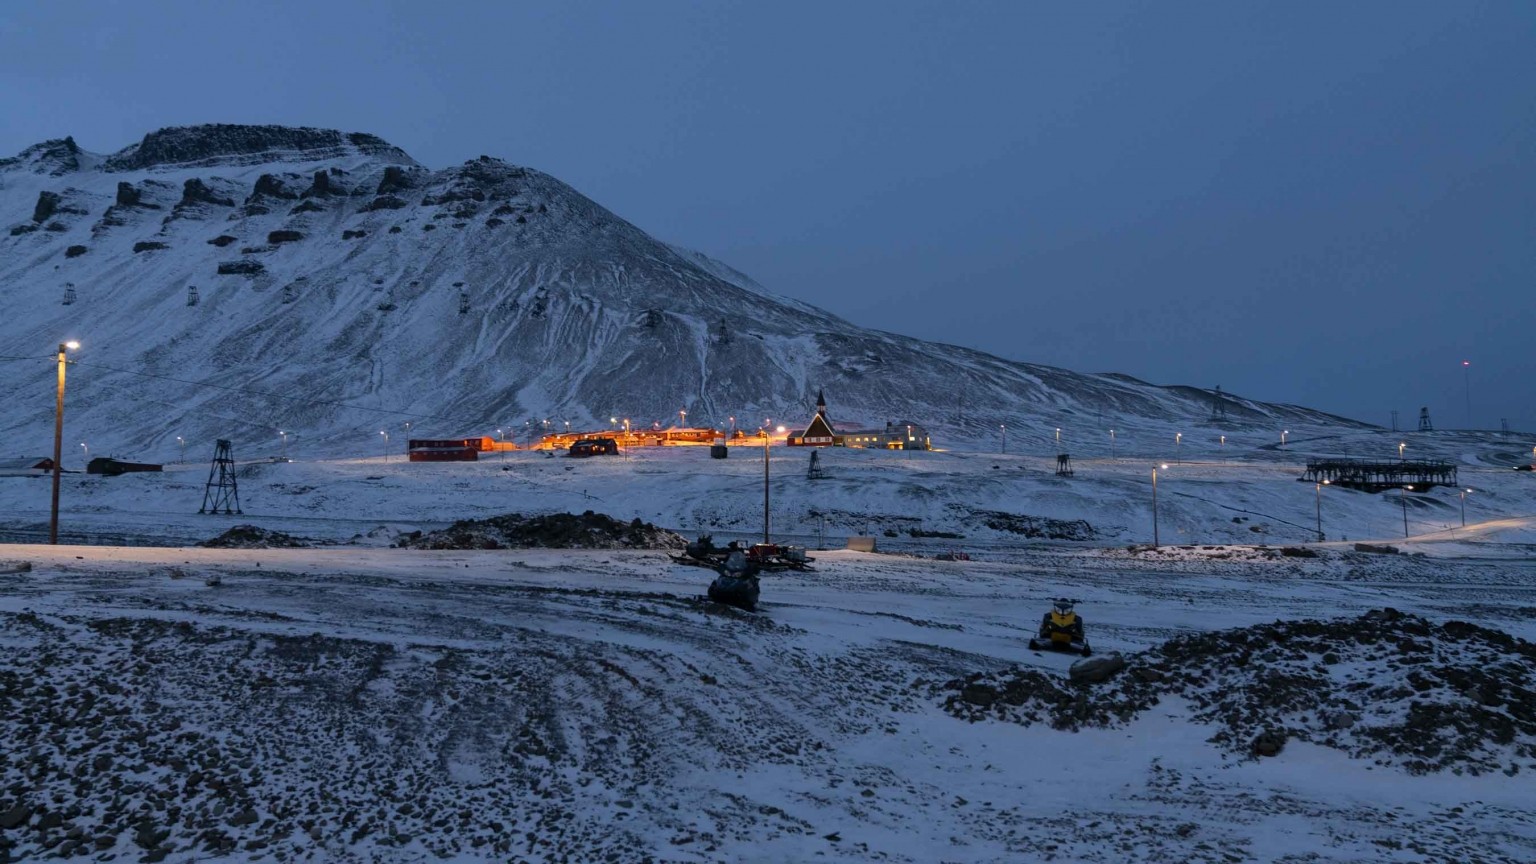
355	701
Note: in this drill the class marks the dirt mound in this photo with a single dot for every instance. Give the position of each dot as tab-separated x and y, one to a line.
557	531
252	537
1388	686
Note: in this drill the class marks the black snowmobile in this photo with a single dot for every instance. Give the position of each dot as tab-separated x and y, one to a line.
1061	629
736	585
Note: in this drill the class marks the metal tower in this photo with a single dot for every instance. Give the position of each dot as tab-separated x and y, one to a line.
815	472
192	298
1063	465
1424	424
222	490
1218	405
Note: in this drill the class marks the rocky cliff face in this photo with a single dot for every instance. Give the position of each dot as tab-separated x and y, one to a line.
233	280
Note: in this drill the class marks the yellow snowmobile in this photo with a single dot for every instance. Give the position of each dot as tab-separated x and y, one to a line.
1061	629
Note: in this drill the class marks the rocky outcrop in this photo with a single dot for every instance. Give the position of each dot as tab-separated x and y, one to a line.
233	144
195	191
47	205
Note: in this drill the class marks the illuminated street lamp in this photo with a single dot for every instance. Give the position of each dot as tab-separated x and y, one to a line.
1111	443
1164	466
1400	447
733	427
58	444
87	456
682	419
1282	438
1003	428
283	435
1178	453
384	443
182	442
501	438
1320	509
1464	507
1403	494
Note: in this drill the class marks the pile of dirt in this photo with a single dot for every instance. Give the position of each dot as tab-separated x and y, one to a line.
1036	527
557	531
252	537
1387	686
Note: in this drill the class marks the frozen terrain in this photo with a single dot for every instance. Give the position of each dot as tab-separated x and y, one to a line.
355	701
341	288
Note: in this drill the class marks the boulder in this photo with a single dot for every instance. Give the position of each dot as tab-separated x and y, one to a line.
149	246
15	817
75	251
1268	743
195	191
128	195
1090	670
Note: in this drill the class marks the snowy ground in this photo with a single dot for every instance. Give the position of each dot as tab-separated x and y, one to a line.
360	702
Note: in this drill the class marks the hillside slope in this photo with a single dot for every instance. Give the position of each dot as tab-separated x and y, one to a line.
358	290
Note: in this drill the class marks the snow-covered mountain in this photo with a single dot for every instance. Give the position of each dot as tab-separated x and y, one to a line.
340	287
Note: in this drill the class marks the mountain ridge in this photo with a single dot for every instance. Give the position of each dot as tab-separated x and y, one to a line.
334	267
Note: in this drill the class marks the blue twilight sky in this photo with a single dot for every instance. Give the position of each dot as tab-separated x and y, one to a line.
1325	203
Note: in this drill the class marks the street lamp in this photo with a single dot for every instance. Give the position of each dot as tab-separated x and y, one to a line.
1178	453
1403	494
384	443
58	444
1058	439
1464	507
182	442
1282	438
1003	427
682	419
501	439
283	435
1401	445
1154	503
733	427
1320	509
87	456
1111	444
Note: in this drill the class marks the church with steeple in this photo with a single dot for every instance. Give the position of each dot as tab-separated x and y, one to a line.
895	436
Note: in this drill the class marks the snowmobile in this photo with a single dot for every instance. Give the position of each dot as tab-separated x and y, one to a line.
1061	629
736	585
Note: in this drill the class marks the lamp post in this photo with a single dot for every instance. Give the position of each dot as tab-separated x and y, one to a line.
182	443
733	427
283	435
682	419
1466	370
766	441
384	444
1403	495
501	439
87	456
1178	451
1464	507
58	444
1401	445
1111	444
1058	439
1154	504
407	448
1320	486
1003	428
1282	438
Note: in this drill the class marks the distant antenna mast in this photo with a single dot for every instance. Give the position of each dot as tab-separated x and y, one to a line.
192	298
69	293
1394	421
1424	424
1218	405
222	490
1504	426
